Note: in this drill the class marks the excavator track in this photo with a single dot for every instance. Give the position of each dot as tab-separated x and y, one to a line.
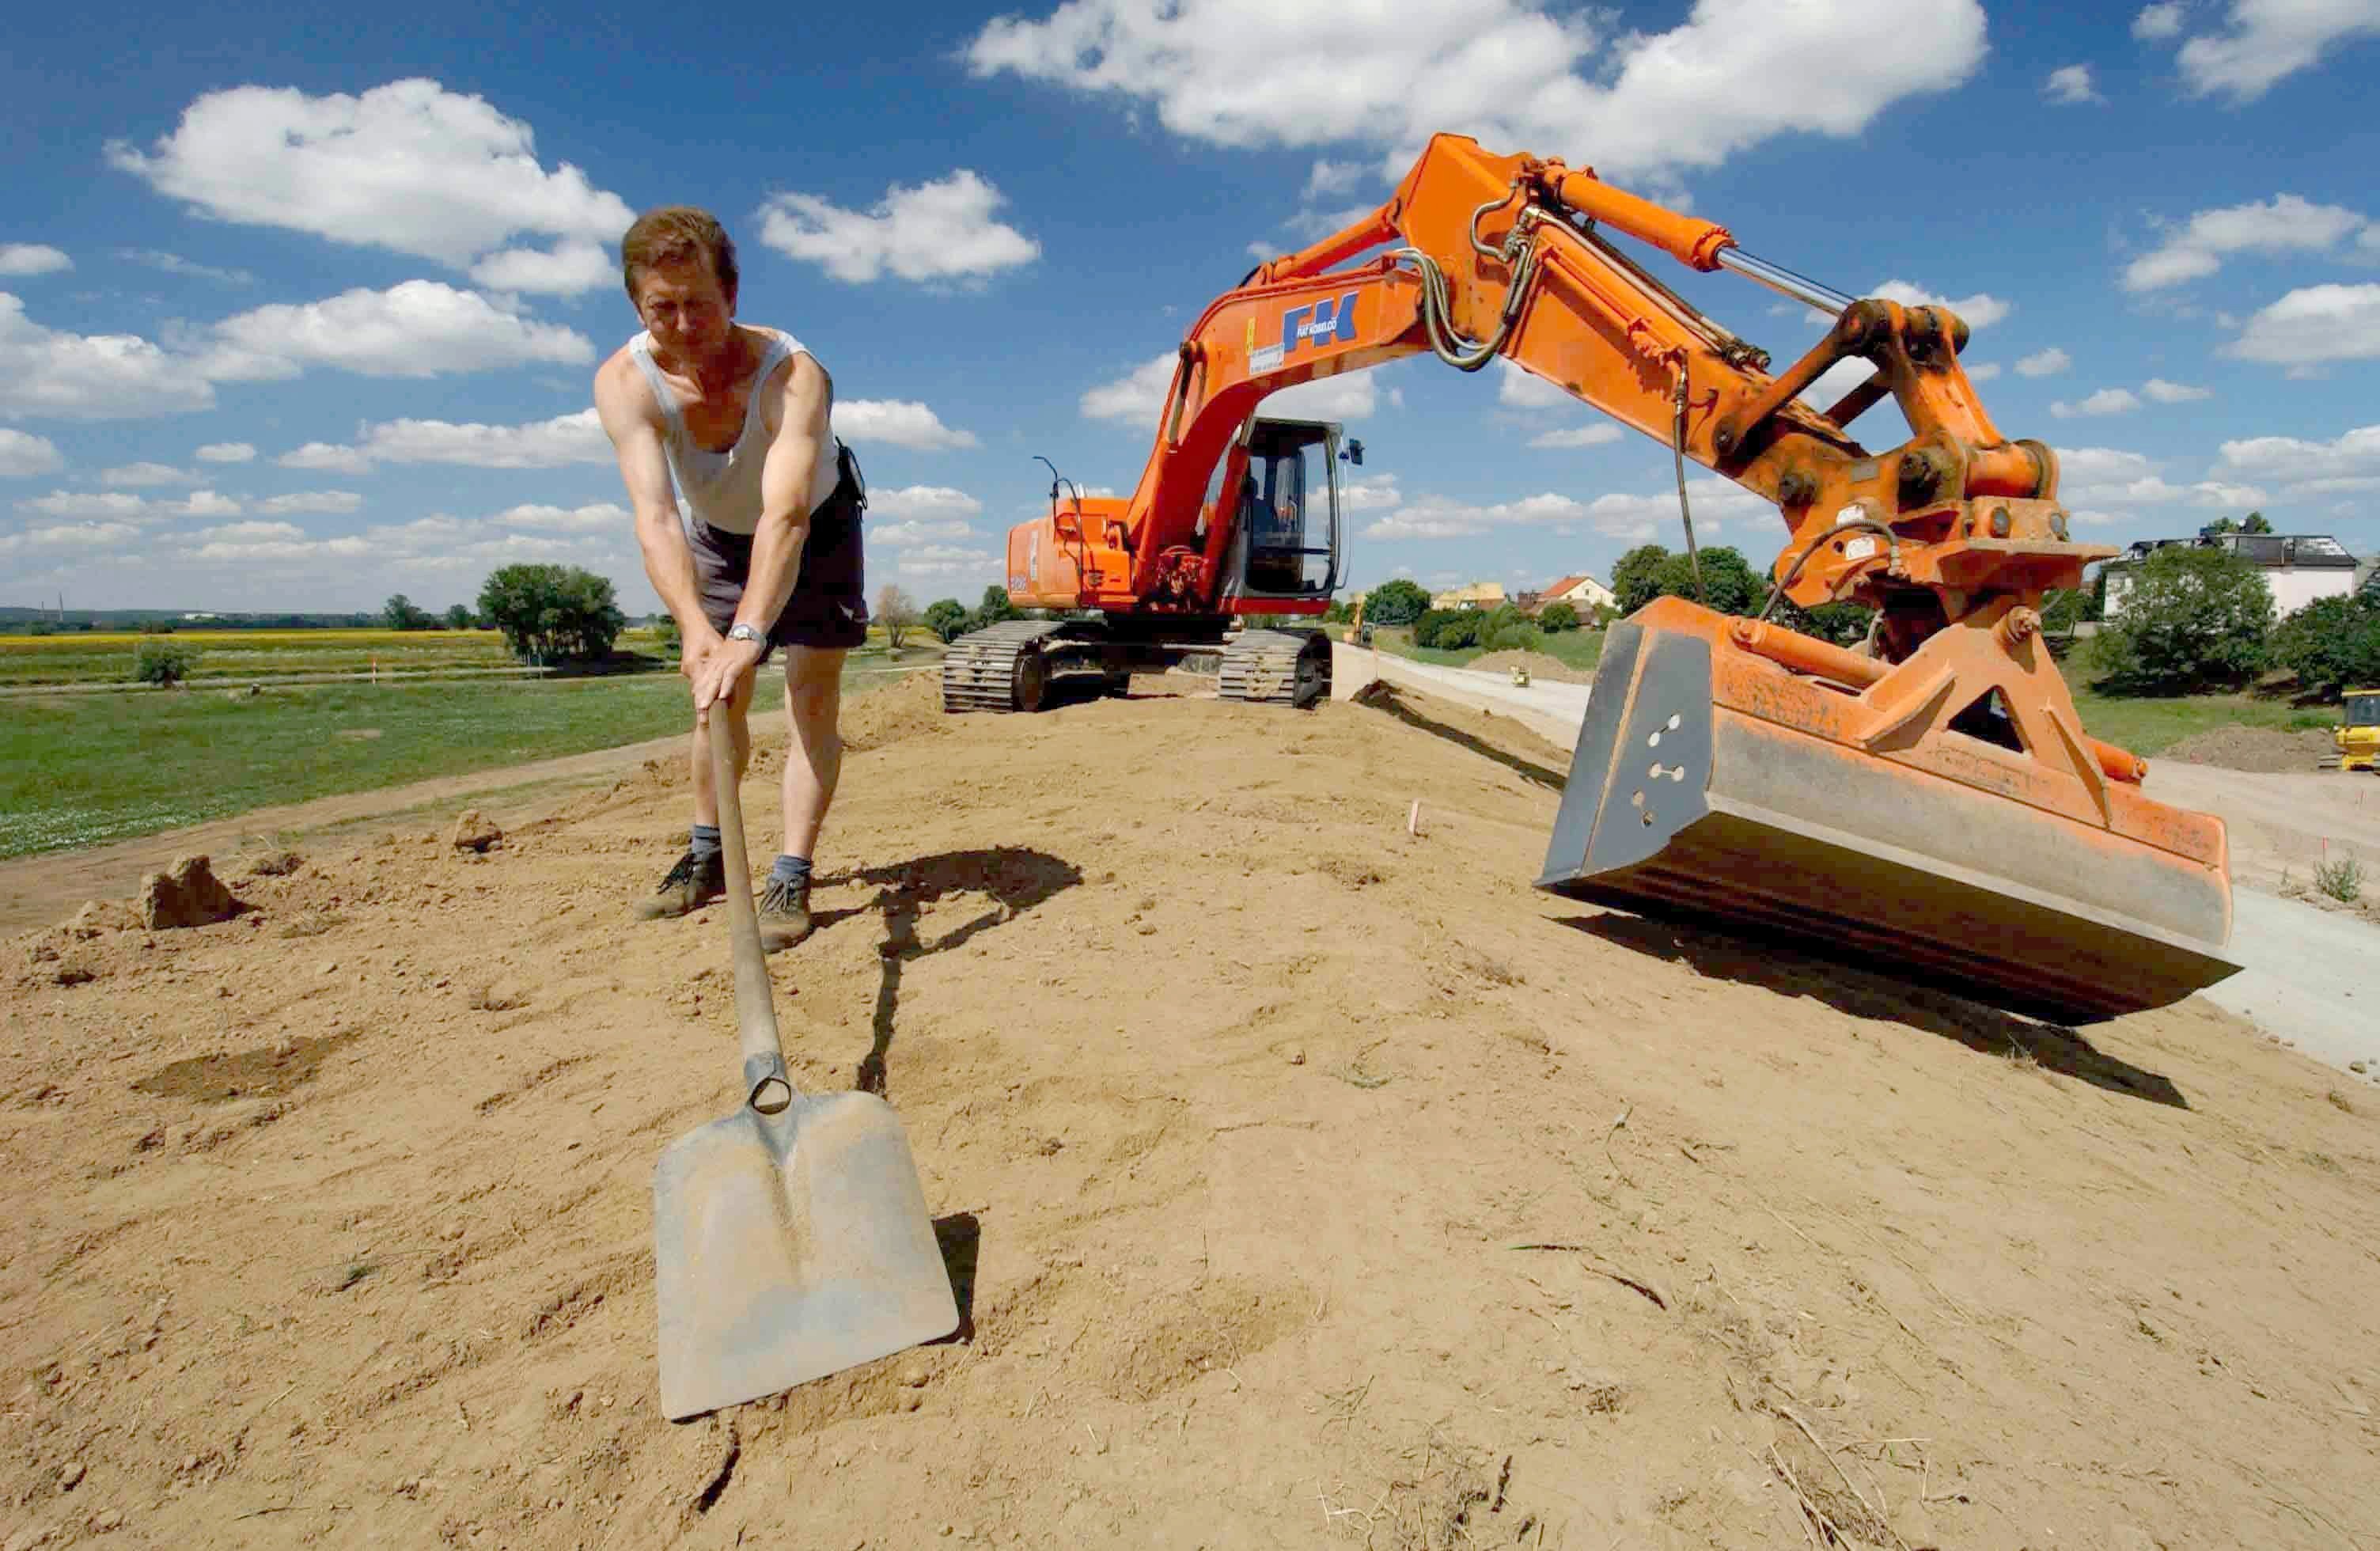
998	668
1276	668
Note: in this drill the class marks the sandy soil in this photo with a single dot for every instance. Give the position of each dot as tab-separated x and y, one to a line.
2262	749
1305	1181
1541	665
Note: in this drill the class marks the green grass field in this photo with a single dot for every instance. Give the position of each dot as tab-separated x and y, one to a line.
237	656
1580	649
2150	726
85	769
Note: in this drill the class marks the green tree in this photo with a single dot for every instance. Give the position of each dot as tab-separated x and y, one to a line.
947	618
1395	602
552	614
1731	586
1554	618
2194	615
1337	613
1633	578
1448	629
164	662
2063	608
2218	527
2255	522
458	617
897	613
400	612
1843	623
996	606
2332	643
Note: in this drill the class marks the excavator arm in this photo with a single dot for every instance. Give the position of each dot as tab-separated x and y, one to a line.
1929	807
1511	257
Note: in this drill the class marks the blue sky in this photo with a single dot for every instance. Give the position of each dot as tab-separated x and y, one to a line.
303	313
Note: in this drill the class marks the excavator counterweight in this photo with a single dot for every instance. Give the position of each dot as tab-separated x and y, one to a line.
1929	804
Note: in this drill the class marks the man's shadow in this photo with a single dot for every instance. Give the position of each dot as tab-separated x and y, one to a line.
1777	966
1013	878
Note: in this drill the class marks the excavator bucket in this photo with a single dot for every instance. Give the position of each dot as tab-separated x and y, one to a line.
1943	819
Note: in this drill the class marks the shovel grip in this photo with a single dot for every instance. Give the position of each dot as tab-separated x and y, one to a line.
766	1086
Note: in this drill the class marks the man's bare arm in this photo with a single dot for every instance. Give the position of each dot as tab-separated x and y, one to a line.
798	418
625	404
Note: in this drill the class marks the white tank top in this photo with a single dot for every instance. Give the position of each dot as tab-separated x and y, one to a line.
723	489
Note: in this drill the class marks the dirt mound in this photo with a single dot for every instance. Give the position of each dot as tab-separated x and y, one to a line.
186	895
1302	1180
2264	749
1540	665
909	709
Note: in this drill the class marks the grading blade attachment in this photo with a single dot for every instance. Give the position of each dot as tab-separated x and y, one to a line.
1943	821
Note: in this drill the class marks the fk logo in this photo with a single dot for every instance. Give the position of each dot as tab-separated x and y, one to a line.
1323	319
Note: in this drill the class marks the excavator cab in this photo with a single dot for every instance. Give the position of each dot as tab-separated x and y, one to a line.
1285	542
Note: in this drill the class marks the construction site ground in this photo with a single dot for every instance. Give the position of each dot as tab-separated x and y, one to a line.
1306	1178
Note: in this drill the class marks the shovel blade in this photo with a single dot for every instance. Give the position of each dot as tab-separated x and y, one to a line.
790	1247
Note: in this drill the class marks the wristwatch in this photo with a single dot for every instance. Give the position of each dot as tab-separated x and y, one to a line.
741	631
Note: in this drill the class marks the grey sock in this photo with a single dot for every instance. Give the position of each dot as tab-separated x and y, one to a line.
789	870
705	843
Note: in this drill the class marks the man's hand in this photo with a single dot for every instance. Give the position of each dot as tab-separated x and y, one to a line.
723	667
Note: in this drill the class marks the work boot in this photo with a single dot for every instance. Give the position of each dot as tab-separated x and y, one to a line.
784	913
693	883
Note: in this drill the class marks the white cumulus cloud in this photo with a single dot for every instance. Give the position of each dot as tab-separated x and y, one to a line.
90	377
2316	325
2070	83
2107	401
2196	249
2043	363
2347	464
138	475
1598	433
418	328
330	503
1517	388
2164	392
2159	21
1514	73
408	166
564	440
603	516
900	422
945	229
226	451
32	258
2263	41
23	455
1136	395
1348	395
921	503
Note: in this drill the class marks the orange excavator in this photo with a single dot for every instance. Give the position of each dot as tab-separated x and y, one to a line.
1929	806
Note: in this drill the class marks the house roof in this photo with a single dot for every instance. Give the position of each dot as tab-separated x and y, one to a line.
2272	551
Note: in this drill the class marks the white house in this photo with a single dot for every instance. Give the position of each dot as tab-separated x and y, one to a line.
1582	592
2297	568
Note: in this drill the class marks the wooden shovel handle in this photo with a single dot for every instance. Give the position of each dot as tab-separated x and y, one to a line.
766	1086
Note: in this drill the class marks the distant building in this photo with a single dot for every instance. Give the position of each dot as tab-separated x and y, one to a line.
2297	568
1477	595
1582	592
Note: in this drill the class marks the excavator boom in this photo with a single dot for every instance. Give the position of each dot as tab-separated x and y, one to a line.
1930	805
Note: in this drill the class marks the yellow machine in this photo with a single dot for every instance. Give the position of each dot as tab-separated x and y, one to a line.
2357	734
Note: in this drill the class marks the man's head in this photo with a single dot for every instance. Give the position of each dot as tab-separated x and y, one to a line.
679	266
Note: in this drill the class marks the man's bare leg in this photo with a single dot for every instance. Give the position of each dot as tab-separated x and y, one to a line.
699	875
813	765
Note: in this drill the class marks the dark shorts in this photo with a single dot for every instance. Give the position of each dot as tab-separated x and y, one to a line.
829	606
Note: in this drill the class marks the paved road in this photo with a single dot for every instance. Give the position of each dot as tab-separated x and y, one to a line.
2311	975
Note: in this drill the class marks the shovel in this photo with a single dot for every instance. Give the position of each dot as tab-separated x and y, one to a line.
791	1238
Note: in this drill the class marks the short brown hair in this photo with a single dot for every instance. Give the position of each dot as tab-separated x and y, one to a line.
673	235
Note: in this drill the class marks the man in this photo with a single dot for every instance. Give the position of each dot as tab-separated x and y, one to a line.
739	420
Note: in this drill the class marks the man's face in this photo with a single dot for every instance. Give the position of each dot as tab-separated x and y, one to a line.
685	308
